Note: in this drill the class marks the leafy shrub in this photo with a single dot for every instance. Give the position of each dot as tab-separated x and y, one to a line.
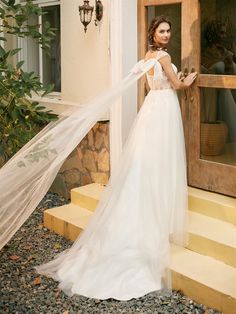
20	116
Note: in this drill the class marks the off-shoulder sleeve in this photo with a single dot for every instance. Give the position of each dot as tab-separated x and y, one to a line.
161	54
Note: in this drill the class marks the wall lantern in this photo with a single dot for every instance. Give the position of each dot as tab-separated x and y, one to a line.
86	12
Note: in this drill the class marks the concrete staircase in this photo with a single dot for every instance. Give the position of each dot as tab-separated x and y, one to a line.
205	270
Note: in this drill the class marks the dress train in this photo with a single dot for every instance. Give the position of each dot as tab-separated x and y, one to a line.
124	251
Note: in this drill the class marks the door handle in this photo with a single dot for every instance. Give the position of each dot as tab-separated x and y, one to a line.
186	71
190	89
185	74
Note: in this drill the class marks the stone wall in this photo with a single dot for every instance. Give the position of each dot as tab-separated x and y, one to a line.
88	163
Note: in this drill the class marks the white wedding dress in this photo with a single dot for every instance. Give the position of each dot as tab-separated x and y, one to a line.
124	251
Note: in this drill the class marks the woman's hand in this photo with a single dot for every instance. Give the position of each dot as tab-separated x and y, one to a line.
176	81
180	76
189	79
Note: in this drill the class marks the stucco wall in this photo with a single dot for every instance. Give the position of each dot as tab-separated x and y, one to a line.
84	56
85	72
130	55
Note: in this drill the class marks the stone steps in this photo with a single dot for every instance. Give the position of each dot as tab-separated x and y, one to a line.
213	205
212	237
205	270
204	279
87	196
67	220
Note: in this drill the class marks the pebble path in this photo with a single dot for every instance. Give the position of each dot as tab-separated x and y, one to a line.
23	291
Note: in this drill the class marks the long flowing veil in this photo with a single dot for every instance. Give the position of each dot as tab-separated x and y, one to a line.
27	176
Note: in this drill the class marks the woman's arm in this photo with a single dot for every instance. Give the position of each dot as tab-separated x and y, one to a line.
173	78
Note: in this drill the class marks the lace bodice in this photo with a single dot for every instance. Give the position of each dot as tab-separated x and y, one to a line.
159	80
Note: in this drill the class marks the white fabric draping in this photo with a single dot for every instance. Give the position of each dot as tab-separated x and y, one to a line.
125	247
27	176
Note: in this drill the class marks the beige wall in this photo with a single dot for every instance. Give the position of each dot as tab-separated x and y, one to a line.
85	57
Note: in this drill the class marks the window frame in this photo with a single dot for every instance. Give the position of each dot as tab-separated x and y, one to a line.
23	54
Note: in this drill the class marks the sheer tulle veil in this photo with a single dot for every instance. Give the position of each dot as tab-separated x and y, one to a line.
26	177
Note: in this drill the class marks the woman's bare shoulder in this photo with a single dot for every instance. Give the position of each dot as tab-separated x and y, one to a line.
157	55
150	54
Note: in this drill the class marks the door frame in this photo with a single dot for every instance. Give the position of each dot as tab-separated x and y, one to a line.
204	174
189	54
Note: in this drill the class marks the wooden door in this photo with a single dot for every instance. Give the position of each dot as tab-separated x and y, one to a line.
210	144
212	116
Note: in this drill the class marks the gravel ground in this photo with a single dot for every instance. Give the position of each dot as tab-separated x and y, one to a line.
24	291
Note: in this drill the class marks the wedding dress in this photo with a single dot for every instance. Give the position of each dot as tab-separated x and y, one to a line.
28	175
124	251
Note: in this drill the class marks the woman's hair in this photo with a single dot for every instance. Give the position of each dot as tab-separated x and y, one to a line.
152	28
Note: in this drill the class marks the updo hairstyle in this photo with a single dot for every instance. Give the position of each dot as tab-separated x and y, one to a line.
152	28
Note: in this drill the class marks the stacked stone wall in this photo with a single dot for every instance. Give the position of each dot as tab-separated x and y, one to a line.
88	163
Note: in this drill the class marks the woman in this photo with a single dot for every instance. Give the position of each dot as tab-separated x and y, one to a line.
123	253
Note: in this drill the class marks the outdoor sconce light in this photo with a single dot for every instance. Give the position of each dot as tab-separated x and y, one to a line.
86	12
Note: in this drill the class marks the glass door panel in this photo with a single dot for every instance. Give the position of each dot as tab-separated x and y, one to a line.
218	105
218	125
212	135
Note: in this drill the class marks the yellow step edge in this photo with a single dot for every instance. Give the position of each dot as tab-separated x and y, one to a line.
204	279
87	196
212	204
68	220
207	203
212	237
206	235
216	239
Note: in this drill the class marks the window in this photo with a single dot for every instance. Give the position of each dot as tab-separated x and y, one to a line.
48	67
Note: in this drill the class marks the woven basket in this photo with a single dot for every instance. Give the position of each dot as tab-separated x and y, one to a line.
213	138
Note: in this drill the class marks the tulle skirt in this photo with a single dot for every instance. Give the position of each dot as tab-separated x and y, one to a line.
124	251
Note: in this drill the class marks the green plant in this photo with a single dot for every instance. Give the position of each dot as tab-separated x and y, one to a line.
20	117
